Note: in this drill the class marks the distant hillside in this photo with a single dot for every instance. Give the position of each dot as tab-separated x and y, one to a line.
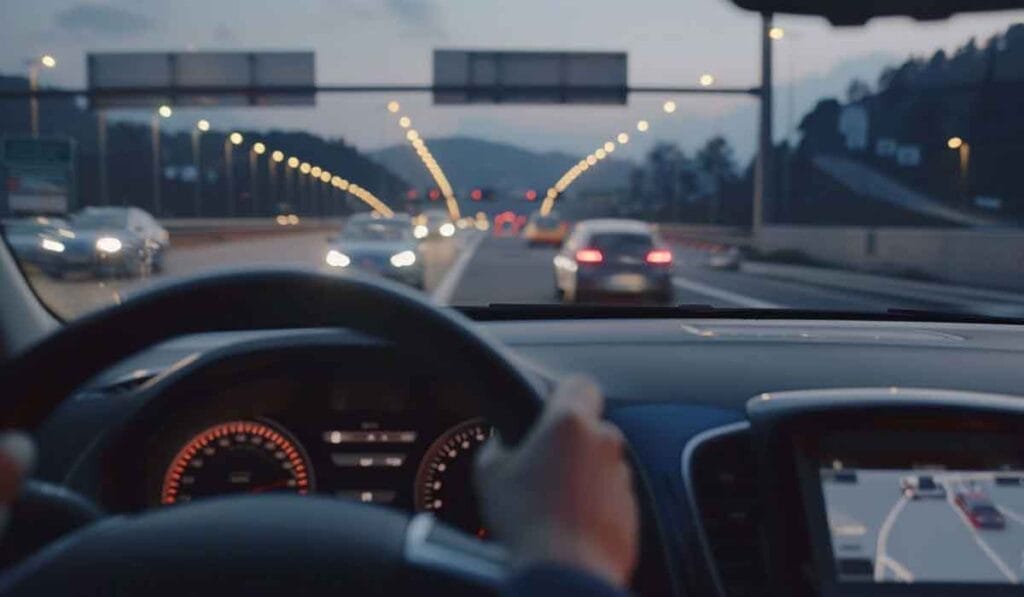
470	163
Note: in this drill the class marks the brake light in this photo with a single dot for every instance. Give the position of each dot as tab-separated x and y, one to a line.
589	256
659	257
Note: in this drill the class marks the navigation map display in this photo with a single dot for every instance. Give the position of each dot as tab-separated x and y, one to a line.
921	525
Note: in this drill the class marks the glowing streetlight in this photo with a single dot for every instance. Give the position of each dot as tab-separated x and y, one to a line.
164	111
600	154
955	143
236	138
669	107
259	148
304	167
776	33
48	61
623	138
203	125
394	106
325	176
642	126
277	156
609	147
315	171
591	159
405	122
293	162
412	135
706	80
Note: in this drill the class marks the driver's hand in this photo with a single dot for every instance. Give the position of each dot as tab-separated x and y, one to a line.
17	454
565	494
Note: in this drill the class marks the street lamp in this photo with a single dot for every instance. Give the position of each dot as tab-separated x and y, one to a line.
669	107
623	138
276	157
44	61
776	33
255	152
963	149
202	126
394	106
706	80
230	142
161	112
642	126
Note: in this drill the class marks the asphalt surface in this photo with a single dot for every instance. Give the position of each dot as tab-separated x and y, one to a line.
506	270
478	269
927	539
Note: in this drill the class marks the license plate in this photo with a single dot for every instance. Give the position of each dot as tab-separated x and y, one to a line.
627	282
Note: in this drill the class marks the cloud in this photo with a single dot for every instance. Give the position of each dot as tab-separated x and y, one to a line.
422	16
102	20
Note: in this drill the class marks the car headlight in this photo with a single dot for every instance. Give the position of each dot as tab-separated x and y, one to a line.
403	259
108	244
447	229
420	231
54	246
337	259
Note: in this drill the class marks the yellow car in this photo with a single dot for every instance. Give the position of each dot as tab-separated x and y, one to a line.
545	230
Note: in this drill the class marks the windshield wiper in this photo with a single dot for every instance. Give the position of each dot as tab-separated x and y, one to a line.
527	311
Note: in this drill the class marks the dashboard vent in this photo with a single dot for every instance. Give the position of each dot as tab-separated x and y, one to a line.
723	490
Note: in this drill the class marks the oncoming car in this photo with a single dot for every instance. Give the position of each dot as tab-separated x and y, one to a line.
379	246
114	241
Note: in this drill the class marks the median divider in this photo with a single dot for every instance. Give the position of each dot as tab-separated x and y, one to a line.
195	232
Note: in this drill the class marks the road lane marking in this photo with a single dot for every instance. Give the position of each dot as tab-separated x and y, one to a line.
883	537
722	294
442	294
991	553
901	571
1016	516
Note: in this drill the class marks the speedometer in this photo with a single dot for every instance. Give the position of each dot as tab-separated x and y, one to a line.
443	483
237	457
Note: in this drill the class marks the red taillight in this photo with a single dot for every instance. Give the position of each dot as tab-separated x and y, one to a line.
589	256
659	257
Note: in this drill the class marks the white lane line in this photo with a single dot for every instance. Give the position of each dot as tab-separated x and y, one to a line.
442	295
991	553
883	537
1016	516
901	571
722	294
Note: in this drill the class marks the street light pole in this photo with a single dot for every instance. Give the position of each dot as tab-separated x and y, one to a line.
161	112
763	179
255	152
202	126
101	143
229	169
33	85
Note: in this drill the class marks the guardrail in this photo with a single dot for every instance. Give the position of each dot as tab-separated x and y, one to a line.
189	232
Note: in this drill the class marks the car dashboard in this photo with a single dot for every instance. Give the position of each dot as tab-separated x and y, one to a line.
794	455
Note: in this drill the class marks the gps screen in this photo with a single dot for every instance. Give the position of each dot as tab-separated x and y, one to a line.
925	525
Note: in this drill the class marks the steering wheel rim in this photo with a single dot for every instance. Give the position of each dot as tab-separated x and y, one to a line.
259	299
254	300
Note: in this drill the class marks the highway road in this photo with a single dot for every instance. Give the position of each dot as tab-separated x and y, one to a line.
478	269
927	539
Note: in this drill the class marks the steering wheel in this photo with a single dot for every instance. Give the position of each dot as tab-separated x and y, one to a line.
261	544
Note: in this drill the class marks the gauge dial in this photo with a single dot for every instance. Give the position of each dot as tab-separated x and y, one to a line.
237	457
443	484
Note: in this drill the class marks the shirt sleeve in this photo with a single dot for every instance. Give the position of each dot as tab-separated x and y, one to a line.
551	579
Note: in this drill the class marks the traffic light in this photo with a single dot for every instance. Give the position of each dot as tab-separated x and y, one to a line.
531	195
476	194
434	194
412	194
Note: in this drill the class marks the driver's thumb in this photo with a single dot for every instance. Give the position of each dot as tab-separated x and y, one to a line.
17	456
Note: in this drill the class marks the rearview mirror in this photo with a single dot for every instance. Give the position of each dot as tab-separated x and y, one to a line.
858	12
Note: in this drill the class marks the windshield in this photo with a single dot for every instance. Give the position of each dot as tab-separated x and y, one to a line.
779	162
94	219
376	230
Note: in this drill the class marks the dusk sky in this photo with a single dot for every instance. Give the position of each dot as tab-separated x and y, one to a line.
669	42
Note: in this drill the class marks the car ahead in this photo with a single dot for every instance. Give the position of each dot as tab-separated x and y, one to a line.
922	486
980	511
724	257
38	241
380	246
545	230
613	258
115	241
433	223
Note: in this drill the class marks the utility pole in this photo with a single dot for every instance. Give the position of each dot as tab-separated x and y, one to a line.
101	142
763	177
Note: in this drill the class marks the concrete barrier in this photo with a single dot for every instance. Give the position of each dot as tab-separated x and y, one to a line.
204	231
991	257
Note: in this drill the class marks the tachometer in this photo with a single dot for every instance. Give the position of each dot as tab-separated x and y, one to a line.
443	480
237	457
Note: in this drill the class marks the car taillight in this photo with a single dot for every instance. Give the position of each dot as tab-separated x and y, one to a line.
659	257
589	256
